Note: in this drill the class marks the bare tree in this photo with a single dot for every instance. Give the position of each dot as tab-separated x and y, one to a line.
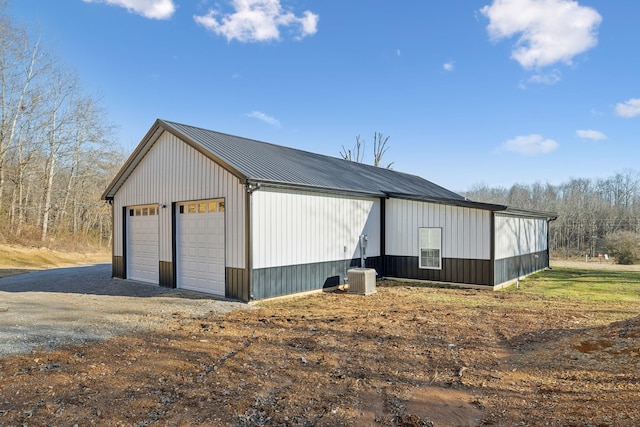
18	68
380	148
62	87
588	210
55	154
88	135
356	154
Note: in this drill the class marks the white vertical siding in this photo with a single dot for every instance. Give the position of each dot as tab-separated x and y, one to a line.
518	236
295	227
172	171
466	232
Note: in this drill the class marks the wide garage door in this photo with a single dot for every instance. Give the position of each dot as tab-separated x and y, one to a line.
142	243
200	246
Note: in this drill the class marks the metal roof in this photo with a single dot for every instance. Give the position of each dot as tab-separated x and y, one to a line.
256	162
261	162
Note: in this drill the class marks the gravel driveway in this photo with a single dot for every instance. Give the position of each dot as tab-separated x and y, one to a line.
45	309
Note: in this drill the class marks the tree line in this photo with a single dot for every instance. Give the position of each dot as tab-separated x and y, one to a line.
56	152
57	155
592	213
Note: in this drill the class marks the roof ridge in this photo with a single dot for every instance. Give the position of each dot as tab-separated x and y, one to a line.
261	161
351	162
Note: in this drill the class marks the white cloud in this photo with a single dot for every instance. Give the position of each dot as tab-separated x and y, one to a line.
257	20
153	9
265	118
550	78
549	31
449	66
530	145
398	53
628	109
594	135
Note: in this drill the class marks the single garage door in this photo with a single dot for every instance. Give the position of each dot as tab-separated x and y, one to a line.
200	246
142	243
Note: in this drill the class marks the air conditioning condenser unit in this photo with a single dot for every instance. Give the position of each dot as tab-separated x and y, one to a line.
362	281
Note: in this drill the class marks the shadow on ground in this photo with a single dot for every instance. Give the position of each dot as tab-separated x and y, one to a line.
87	279
6	272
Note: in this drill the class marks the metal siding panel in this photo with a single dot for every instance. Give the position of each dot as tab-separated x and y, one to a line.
479	233
172	171
392	207
486	236
391	219
466	231
166	275
463	238
446	231
462	233
304	227
448	244
286	280
399	228
455	230
259	284
117	228
517	236
467	234
507	269
406	224
476	232
473	235
117	267
462	271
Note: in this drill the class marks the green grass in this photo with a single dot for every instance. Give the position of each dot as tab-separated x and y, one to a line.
602	286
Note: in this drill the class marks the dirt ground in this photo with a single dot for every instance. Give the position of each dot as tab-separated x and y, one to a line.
405	356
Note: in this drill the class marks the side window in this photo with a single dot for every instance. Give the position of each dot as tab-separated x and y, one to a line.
431	248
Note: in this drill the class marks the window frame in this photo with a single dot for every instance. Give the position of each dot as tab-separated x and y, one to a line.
429	248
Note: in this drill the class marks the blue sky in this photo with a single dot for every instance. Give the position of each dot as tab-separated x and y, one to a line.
485	91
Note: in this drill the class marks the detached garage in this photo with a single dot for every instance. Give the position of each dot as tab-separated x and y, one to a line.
242	219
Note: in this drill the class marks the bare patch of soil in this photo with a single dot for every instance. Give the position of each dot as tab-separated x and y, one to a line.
405	356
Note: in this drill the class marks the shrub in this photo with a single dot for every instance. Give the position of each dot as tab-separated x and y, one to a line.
624	246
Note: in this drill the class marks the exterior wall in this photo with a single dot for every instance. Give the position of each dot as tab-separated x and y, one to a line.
508	269
278	281
466	242
237	284
292	228
173	171
305	240
454	270
466	232
517	236
520	247
117	266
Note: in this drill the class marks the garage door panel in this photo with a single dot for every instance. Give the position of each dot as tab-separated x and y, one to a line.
200	247
142	244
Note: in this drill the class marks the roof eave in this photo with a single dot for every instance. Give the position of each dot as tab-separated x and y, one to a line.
446	201
531	213
314	188
133	160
